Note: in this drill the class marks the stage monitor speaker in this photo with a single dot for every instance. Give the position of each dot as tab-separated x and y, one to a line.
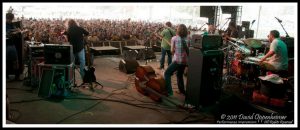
204	81
130	54
207	11
58	54
128	66
45	83
208	42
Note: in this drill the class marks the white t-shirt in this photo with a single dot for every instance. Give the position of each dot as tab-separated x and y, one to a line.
280	59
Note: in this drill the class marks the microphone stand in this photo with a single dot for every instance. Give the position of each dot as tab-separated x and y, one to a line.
251	26
201	26
224	24
287	35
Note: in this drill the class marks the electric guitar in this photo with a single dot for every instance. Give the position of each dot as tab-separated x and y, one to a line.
89	75
161	37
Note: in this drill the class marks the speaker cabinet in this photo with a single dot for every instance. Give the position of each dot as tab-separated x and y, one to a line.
46	83
130	54
128	66
229	9
249	33
207	42
204	79
67	70
246	25
289	41
207	11
58	54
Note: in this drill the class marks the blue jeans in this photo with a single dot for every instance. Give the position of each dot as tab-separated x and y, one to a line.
81	57
162	59
169	72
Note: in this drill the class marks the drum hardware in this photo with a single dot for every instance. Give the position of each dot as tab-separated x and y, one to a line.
239	65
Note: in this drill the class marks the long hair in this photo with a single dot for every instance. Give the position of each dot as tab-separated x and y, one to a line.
72	23
182	31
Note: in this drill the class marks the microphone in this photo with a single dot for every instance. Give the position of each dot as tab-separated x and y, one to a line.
278	20
253	21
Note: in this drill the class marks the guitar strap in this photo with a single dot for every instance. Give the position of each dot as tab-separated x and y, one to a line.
170	32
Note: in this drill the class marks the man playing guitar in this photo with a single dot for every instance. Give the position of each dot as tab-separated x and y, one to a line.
166	36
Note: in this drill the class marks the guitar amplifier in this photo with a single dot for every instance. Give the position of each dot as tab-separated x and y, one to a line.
58	54
36	50
67	70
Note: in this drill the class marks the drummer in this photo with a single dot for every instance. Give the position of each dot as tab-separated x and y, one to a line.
277	52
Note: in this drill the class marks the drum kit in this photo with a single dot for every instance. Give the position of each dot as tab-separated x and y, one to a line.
242	57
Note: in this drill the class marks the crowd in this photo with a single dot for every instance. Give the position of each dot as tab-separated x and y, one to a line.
51	30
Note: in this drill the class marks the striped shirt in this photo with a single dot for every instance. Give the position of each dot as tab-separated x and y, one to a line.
180	54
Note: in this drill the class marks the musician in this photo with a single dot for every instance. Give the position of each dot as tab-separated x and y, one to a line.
166	36
231	31
212	29
179	49
11	51
75	37
277	52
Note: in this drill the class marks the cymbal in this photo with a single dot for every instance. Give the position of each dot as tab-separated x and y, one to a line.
254	43
233	39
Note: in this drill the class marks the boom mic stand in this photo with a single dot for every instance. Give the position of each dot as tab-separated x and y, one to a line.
225	24
201	26
279	21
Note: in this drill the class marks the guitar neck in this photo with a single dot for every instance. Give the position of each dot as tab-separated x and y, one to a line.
159	36
88	53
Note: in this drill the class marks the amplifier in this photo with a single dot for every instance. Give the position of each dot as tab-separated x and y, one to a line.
68	71
58	54
36	50
207	42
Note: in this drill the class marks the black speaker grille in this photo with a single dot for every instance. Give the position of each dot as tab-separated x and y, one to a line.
207	11
45	83
58	54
